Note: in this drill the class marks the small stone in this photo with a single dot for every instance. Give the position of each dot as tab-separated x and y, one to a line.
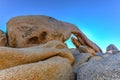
112	49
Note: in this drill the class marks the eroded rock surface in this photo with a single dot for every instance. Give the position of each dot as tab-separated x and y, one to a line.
86	49
3	39
84	44
38	51
55	68
10	57
105	69
95	58
24	31
80	58
112	49
50	61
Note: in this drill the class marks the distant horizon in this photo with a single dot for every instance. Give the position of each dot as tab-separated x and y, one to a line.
98	20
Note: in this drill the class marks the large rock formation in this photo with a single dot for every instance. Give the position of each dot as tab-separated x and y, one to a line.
37	51
104	69
10	57
27	31
24	31
50	61
84	45
55	68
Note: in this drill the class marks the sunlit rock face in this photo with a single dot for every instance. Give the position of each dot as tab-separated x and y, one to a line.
10	57
24	31
36	49
50	61
84	45
44	70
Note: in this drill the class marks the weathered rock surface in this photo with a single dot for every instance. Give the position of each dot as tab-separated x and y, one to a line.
112	49
10	57
86	49
24	31
50	61
104	55
80	58
100	54
55	68
105	69
46	56
3	39
95	58
85	45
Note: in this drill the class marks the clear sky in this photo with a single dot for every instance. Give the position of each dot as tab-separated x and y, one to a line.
98	19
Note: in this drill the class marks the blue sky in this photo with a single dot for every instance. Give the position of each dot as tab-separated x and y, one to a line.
98	19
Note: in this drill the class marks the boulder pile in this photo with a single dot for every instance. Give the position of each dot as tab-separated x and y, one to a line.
33	48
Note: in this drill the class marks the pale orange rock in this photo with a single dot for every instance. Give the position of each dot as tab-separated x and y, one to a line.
76	42
50	61
83	48
55	68
10	57
3	39
24	31
85	45
83	40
